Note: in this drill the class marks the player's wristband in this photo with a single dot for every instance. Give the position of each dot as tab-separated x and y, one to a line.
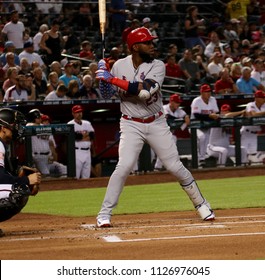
131	88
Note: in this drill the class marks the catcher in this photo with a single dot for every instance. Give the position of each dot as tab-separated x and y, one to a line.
14	190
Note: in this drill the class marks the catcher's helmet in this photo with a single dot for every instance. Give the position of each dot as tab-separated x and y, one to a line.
33	114
139	35
13	120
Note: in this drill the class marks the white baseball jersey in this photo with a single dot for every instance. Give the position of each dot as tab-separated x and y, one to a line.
252	107
200	107
133	106
13	94
179	113
84	127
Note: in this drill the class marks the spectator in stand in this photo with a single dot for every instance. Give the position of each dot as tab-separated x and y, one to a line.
249	134
31	56
52	43
37	38
86	51
58	94
40	84
225	85
135	23
235	49
14	31
71	41
190	70
246	62
9	47
55	66
229	33
237	8
85	17
113	57
258	73
30	87
172	68
77	70
173	49
10	62
118	16
228	63
53	81
11	74
73	90
25	67
204	72
246	84
68	74
236	71
17	92
227	51
87	91
191	24
214	42
215	66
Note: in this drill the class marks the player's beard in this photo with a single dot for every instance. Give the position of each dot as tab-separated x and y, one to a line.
146	57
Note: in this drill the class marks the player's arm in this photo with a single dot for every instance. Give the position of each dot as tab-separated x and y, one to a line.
6	178
144	90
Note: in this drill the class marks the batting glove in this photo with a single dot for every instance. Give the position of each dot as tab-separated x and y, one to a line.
102	65
104	75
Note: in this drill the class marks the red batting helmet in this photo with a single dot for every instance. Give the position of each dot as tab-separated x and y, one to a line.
139	35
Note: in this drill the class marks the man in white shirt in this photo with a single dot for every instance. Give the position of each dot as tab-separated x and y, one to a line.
258	72
58	94
18	91
215	42
14	31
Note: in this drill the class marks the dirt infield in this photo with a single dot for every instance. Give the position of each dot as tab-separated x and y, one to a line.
236	233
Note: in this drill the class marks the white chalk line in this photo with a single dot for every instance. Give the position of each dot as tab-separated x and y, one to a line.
116	239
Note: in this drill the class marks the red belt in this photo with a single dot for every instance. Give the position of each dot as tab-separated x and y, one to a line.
143	120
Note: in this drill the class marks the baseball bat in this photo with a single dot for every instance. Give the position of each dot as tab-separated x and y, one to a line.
102	22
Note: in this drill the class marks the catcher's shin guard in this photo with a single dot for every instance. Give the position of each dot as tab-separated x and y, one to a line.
199	202
13	204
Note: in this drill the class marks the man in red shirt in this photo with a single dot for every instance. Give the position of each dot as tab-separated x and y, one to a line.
225	84
172	68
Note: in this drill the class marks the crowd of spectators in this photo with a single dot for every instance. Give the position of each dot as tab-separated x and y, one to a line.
36	36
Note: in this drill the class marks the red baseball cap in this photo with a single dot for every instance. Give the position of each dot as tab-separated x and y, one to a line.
225	107
77	108
175	98
205	88
259	94
45	118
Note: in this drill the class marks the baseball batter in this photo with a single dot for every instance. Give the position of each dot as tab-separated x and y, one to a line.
204	107
14	190
138	79
219	140
84	134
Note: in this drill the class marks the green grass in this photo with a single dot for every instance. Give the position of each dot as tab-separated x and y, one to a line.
226	193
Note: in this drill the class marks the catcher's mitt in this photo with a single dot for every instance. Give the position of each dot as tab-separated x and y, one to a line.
26	171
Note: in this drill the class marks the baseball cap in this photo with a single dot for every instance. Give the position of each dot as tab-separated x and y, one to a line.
146	20
175	98
28	44
246	60
205	88
77	108
225	107
68	64
228	60
45	118
259	94
9	44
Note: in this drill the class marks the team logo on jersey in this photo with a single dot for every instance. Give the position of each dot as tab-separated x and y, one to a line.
142	76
